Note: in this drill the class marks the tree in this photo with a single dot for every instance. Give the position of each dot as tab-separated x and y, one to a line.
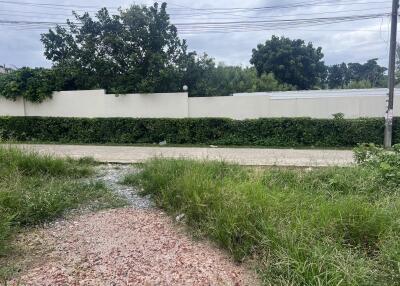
205	78
370	71
199	73
338	76
357	75
137	50
291	61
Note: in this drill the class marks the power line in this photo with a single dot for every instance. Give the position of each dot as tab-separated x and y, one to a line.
202	10
31	13
292	5
194	12
216	24
220	27
52	5
286	20
269	24
227	25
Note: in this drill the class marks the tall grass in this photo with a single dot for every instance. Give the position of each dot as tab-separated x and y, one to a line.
32	164
333	226
36	188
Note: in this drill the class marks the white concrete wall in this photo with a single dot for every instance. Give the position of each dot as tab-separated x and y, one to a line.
95	103
240	107
253	106
11	108
315	104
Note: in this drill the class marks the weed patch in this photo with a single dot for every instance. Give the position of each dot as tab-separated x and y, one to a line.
330	226
36	189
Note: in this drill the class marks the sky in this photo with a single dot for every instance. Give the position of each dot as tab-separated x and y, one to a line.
351	41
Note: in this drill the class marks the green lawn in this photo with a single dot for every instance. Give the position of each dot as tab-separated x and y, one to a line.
330	226
35	189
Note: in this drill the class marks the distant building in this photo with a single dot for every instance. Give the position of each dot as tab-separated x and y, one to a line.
4	69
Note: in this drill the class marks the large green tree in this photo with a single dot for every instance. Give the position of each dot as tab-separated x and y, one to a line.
135	50
291	61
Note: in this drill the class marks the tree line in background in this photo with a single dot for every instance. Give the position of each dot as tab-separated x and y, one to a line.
356	75
138	50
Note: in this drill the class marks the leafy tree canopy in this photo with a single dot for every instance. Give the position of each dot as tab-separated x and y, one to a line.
208	79
136	50
291	61
356	75
32	84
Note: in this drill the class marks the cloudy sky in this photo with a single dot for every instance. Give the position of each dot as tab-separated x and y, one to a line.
350	41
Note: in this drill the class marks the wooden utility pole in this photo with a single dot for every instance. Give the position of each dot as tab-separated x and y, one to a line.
391	75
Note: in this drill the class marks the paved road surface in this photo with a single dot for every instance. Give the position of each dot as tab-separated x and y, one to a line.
243	156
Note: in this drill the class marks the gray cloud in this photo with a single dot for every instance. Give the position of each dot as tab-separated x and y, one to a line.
345	42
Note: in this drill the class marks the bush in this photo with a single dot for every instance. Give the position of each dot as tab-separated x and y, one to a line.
34	85
329	226
282	132
387	163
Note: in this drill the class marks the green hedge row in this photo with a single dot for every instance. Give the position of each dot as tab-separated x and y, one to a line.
280	132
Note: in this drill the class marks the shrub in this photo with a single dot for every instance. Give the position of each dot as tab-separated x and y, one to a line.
282	132
338	116
387	163
34	85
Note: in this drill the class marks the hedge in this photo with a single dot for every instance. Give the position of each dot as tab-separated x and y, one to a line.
272	132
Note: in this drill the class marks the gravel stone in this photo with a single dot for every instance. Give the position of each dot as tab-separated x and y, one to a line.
129	246
136	245
113	174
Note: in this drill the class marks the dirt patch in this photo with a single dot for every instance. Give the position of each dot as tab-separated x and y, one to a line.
128	246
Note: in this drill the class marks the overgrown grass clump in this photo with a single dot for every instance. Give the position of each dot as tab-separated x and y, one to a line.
331	226
35	189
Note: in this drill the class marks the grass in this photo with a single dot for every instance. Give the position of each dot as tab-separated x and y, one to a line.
331	226
35	189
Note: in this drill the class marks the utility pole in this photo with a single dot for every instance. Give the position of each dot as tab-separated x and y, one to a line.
391	75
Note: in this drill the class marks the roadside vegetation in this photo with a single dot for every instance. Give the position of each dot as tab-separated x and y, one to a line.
328	226
262	132
35	189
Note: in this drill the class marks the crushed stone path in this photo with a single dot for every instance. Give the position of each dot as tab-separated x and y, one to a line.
136	245
113	174
242	156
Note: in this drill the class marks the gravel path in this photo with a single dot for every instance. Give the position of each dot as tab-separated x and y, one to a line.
243	156
136	245
113	174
